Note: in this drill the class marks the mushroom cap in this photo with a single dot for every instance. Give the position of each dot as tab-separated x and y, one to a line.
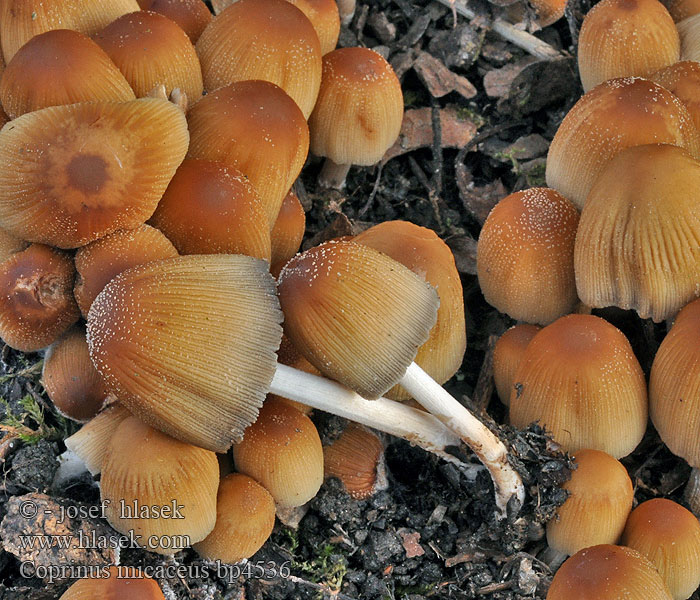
548	11
151	50
669	536
191	15
355	314
270	40
607	572
507	354
36	297
145	468
325	19
287	234
257	128
359	110
421	250
682	9
689	31
9	245
212	208
102	260
674	386
525	256
615	115
599	502
580	379
188	344
72	174
683	79
60	67
622	38
123	582
636	246
245	517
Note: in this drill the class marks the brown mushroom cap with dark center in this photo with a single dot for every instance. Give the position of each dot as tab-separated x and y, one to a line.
122	583
72	174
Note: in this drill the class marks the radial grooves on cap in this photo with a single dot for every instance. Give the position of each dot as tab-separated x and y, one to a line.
188	344
683	80
621	38
191	15
325	19
91	440
615	115
356	314
682	9
60	67
287	234
256	128
72	174
122	583
151	50
638	242
580	379
507	355
689	31
270	40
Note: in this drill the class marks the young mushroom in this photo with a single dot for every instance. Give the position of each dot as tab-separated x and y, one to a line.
120	584
192	16
288	232
683	79
507	355
325	19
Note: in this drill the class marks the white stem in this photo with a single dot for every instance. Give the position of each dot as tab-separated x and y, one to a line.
394	418
490	450
333	175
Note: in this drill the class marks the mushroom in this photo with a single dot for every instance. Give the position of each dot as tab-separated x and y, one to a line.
288	232
325	19
358	113
525	256
580	379
683	79
191	15
682	9
72	174
10	245
269	40
689	31
507	354
60	67
548	11
121	583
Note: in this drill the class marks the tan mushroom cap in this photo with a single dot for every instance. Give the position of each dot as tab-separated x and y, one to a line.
60	67
145	468
188	344
580	379
212	208
622	38
270	40
548	11
151	50
421	250
607	572
689	31
599	502
191	15
525	256
287	234
355	314
122	583
245	517
72	174
683	79
325	19
256	128
102	260
682	9
507	355
282	451
615	115
636	246
36	297
359	110
21	21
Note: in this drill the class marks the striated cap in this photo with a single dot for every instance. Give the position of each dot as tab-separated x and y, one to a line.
287	234
325	19
191	15
507	355
683	79
689	32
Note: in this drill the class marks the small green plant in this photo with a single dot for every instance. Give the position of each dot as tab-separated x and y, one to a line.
30	424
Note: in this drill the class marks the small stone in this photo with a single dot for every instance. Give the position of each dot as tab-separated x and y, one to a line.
410	540
439	80
384	29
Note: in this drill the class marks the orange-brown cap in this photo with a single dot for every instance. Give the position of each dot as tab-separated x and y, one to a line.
682	9
683	79
507	355
283	452
422	251
636	243
102	260
525	256
21	21
146	469
10	245
622	38
256	128
191	15
580	379
548	11
151	50
72	174
245	516
271	40
71	380
608	572
288	232
357	315
359	109
36	297
615	115
119	583
212	208
323	15
189	343
600	499
60	67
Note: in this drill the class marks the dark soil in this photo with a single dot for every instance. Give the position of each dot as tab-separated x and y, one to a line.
432	533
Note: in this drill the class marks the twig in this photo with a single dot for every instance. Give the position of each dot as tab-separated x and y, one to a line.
373	193
437	148
522	39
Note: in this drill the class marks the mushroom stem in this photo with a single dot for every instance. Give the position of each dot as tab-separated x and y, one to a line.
346	9
691	494
394	418
489	449
553	558
333	175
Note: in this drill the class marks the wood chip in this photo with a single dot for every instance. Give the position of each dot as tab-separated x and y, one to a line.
439	80
497	82
410	542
